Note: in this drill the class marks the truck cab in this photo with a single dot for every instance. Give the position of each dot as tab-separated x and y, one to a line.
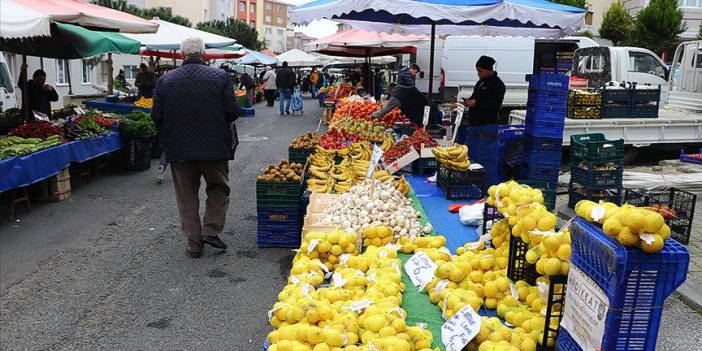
8	99
603	64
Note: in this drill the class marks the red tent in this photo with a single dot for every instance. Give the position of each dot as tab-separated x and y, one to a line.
359	43
211	54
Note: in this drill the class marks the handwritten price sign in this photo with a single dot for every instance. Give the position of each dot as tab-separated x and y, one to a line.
420	268
460	329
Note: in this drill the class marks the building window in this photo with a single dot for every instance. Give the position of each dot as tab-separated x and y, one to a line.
280	32
280	46
269	31
253	24
690	3
61	72
279	20
252	8
268	18
269	6
280	8
242	6
267	43
87	72
588	18
130	71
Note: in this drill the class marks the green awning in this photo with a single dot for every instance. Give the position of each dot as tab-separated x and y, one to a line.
71	42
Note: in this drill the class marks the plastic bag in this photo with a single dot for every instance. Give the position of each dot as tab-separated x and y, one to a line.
471	214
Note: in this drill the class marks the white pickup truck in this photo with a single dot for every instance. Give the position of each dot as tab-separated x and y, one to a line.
679	121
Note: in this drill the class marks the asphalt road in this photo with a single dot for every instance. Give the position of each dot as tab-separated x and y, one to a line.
107	270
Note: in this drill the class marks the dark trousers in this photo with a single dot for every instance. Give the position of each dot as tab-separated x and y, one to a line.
270	97
482	148
186	179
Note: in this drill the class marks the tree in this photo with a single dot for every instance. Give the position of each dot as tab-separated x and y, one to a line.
575	3
231	28
160	12
617	24
658	25
699	33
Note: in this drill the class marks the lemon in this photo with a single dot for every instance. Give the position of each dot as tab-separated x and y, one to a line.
321	347
552	243
565	266
490	289
387	331
552	266
527	345
655	246
547	222
564	252
528	223
503	283
456	275
612	227
486	263
333	338
531	256
664	232
444	270
627	237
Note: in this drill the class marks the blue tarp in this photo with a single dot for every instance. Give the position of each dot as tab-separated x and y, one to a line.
114	107
22	171
436	206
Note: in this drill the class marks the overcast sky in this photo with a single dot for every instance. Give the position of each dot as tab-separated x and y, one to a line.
319	28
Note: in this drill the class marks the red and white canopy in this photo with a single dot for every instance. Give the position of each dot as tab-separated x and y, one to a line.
360	43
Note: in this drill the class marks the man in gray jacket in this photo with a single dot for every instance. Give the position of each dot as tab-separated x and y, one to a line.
194	107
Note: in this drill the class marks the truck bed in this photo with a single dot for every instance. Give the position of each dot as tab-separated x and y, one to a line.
671	127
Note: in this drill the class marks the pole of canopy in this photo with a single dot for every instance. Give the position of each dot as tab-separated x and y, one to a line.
25	95
110	72
431	61
174	59
41	62
68	76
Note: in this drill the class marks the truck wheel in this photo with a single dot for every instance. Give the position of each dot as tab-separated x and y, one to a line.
630	154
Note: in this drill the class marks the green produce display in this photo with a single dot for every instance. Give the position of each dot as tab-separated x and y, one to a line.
16	146
138	125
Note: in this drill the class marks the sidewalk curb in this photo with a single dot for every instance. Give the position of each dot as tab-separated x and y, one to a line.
690	292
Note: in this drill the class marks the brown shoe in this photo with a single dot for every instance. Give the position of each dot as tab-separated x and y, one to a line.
194	254
213	241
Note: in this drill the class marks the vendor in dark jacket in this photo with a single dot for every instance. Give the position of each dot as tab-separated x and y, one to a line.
410	101
285	81
39	94
479	130
194	109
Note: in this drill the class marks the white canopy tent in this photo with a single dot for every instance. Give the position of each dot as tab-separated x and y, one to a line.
17	21
299	58
170	35
256	58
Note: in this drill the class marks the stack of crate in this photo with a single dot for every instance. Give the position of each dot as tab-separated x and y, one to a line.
279	219
545	120
597	169
584	104
645	101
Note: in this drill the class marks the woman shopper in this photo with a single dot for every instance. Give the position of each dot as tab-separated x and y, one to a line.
269	83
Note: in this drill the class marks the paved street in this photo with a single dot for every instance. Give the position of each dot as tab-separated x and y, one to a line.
107	270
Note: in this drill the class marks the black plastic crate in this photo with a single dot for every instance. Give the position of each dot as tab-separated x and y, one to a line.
595	179
278	193
614	111
136	154
682	202
454	177
642	95
299	155
490	213
616	96
595	148
517	267
461	192
424	166
576	194
555	305
644	111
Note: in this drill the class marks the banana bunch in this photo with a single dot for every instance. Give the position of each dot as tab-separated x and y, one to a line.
319	150
360	151
388	142
361	167
383	175
402	186
320	185
453	157
344	177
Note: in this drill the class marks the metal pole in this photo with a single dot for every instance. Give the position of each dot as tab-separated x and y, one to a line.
110	72
68	76
431	61
41	62
25	94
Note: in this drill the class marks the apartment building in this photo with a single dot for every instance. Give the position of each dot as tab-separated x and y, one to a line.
269	17
195	10
692	14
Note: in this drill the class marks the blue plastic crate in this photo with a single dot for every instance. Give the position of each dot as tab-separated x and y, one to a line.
279	235
691	158
540	172
542	151
248	112
278	214
594	179
507	136
547	97
545	129
557	82
636	284
547	113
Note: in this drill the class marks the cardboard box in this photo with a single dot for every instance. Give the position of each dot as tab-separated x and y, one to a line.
401	162
320	201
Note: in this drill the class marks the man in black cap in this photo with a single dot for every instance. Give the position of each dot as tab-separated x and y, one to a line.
479	130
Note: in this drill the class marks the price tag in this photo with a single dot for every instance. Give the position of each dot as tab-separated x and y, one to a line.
543	290
40	116
427	110
323	267
647	238
440	286
460	329
307	289
459	119
513	291
337	280
270	313
396	267
359	305
79	110
420	268
375	157
566	226
313	245
343	259
598	212
294	279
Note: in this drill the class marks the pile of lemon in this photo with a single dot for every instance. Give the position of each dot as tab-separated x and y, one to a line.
328	247
412	245
631	226
377	236
359	309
